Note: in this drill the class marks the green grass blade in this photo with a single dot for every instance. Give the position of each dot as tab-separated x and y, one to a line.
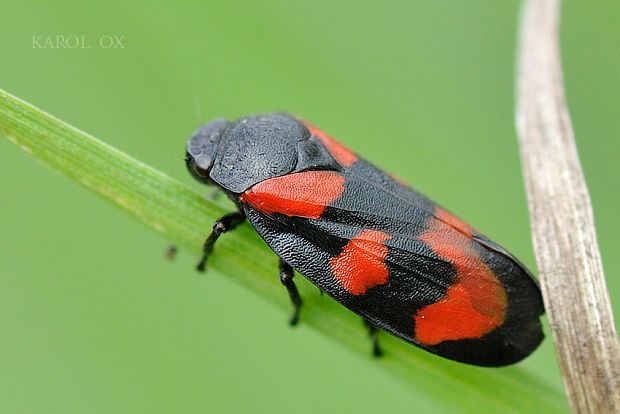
183	217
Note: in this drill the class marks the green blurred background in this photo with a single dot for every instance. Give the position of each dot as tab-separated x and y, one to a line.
92	317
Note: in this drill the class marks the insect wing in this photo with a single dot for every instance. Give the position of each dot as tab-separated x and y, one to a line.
391	255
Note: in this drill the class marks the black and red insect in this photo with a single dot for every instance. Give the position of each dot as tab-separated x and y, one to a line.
374	244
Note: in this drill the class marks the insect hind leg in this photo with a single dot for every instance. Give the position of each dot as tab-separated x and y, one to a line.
373	332
286	277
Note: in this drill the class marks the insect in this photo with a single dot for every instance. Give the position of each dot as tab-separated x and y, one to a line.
374	244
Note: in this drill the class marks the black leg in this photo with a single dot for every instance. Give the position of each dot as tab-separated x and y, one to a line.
226	223
372	333
286	277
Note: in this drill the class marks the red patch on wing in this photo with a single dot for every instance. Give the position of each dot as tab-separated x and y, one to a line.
454	221
340	153
476	303
361	264
304	194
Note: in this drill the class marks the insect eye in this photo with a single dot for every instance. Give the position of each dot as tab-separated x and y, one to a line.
200	165
200	172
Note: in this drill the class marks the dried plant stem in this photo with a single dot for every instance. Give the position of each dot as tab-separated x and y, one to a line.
563	231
